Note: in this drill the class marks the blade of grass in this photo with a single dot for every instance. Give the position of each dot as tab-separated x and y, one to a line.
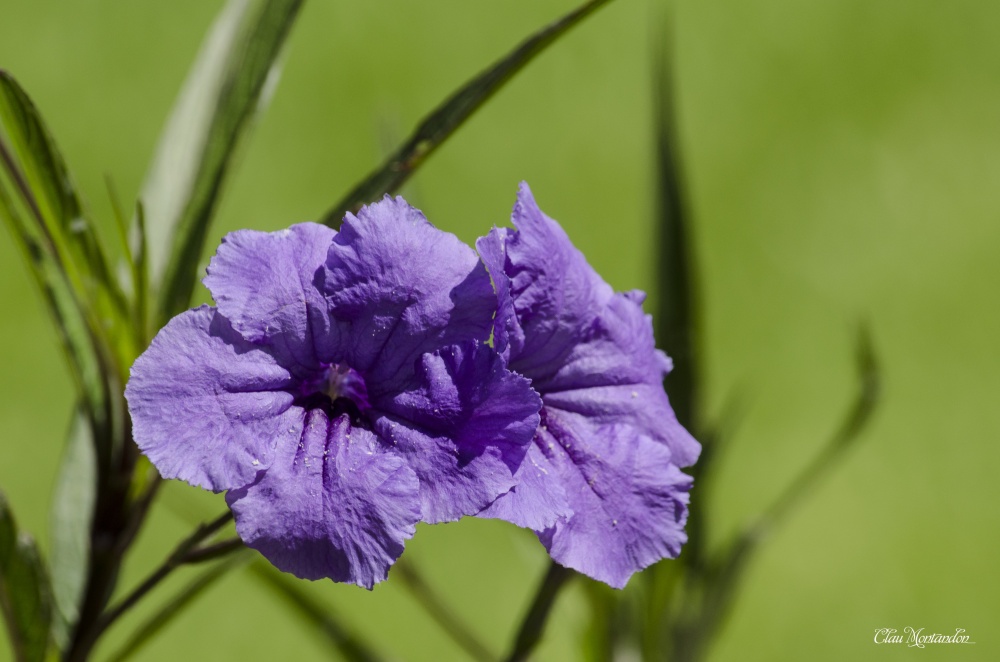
452	114
223	92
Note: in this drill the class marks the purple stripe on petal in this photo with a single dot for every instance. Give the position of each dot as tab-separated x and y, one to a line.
336	504
464	425
398	287
629	500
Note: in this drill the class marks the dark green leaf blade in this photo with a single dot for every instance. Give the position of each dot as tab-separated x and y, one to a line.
71	516
224	91
25	597
451	114
43	214
35	165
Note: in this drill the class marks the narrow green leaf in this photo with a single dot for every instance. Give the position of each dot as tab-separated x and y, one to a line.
71	517
226	87
163	616
43	214
450	115
728	568
346	644
677	313
25	597
34	164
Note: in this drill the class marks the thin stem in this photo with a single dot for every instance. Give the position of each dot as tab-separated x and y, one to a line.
347	645
438	610
166	613
180	556
209	552
530	632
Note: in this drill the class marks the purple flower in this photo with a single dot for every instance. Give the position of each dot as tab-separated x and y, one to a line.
600	485
341	391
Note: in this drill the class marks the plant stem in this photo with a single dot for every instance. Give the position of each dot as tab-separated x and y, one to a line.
184	553
436	608
530	632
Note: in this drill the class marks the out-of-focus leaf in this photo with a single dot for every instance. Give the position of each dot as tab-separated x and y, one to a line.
25	597
346	644
228	84
71	517
165	614
692	632
52	195
39	204
451	114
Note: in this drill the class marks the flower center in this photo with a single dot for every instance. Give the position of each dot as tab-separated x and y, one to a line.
338	390
345	382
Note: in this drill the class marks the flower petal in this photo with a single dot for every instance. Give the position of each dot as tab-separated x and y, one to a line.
629	499
537	499
264	283
493	250
398	287
464	424
335	504
207	407
556	293
615	376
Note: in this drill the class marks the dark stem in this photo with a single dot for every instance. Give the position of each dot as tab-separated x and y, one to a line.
184	553
209	552
436	608
530	632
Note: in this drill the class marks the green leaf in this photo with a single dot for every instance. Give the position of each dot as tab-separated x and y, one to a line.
227	86
25	598
71	517
36	167
38	202
451	114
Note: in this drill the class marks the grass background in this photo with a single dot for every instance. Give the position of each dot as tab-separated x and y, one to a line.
843	158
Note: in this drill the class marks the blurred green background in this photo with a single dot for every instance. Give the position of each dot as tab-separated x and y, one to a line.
843	158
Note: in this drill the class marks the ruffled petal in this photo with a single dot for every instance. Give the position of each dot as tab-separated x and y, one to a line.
537	499
629	500
615	376
604	467
207	406
556	293
335	504
464	424
264	283
398	287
